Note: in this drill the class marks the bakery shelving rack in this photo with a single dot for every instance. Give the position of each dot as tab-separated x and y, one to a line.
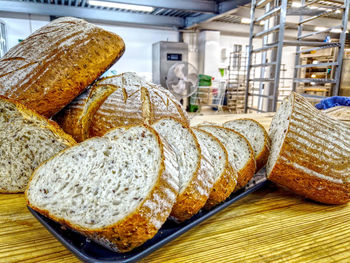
237	70
262	90
318	67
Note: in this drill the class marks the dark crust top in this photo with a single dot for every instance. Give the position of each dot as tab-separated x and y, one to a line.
56	63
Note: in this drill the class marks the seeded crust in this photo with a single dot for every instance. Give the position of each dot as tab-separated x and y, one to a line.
247	172
313	159
137	227
59	136
227	181
192	199
115	101
76	118
263	155
56	63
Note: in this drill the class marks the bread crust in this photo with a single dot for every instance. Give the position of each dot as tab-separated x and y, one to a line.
29	114
227	181
76	118
55	64
263	156
135	105
308	186
143	223
194	196
88	116
247	172
314	166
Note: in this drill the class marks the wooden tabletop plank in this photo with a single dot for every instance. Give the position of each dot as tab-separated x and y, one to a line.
270	225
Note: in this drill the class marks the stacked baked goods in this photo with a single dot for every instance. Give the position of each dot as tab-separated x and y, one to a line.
40	76
138	161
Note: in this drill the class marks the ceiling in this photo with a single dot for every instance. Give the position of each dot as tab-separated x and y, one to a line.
222	15
177	14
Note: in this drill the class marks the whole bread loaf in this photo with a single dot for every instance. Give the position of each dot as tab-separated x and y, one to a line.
116	192
117	101
56	63
310	152
26	140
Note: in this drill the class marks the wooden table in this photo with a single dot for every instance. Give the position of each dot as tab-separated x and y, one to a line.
270	225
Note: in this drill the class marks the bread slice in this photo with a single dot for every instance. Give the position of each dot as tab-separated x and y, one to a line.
257	136
115	101
27	139
225	180
240	152
118	193
310	152
52	66
196	174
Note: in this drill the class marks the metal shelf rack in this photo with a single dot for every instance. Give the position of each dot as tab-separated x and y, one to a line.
262	88
331	65
235	89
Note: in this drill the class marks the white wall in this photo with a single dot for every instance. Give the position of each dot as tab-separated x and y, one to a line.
138	41
138	52
20	26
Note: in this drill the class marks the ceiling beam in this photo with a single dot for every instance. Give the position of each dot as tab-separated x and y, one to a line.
186	5
91	14
223	8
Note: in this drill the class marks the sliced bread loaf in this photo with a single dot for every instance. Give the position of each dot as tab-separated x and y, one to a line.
225	180
196	174
257	136
26	140
118	193
115	101
240	152
310	152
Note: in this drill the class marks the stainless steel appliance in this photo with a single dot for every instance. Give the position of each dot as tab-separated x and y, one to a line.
164	55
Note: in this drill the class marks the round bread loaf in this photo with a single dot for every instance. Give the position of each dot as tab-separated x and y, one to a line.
115	101
310	152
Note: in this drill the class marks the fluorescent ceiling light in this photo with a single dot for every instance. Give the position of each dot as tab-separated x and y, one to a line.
121	6
320	28
296	4
336	30
245	20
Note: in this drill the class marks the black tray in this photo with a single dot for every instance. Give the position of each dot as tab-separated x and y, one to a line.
89	251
